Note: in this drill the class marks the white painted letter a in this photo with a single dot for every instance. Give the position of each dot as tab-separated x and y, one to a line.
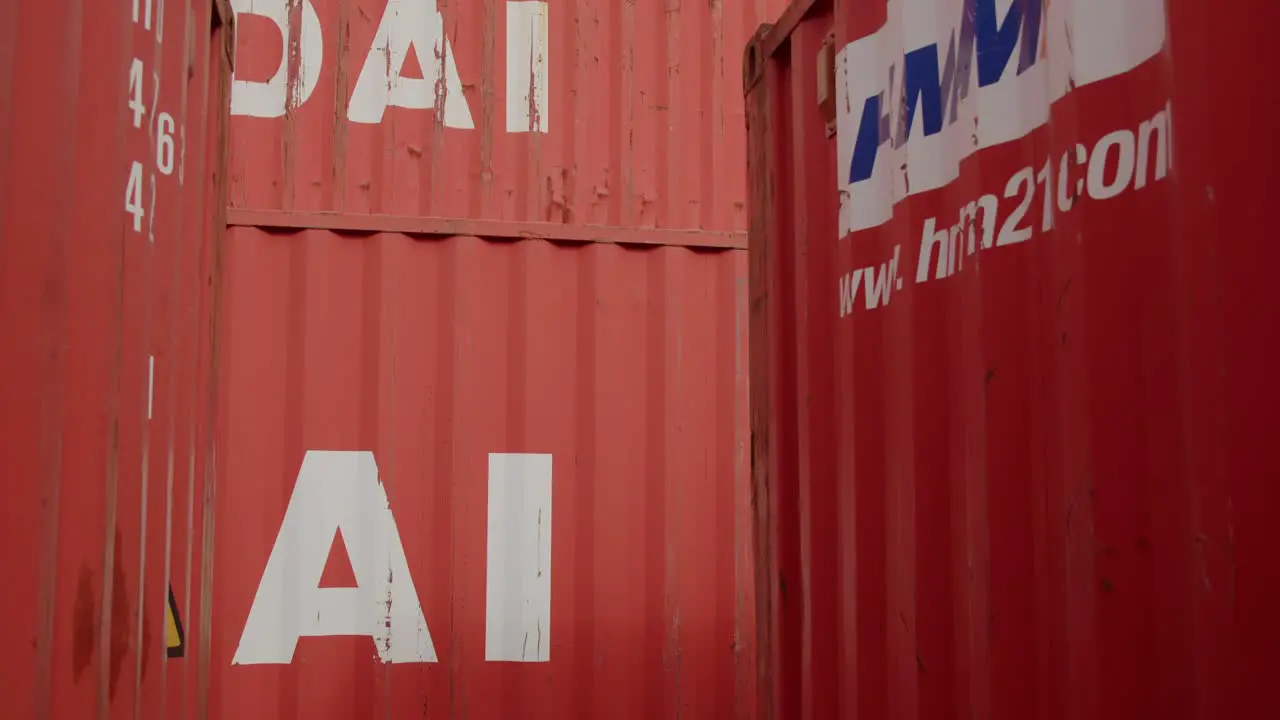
336	490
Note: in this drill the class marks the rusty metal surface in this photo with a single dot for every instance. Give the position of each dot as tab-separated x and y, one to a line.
437	268
626	366
107	327
493	229
636	118
1013	380
598	327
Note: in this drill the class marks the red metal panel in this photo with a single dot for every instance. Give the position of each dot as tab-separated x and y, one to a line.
640	123
1032	479
105	404
625	364
414	276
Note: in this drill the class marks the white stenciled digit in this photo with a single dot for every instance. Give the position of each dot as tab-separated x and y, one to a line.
133	196
1010	233
164	143
1045	178
135	92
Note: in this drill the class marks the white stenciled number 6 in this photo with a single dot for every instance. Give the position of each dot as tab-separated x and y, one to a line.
164	143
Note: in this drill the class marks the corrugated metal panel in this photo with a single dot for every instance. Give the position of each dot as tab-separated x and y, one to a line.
568	113
625	365
111	137
587	356
1015	469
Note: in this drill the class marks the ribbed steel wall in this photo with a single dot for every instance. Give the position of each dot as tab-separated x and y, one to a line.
626	365
641	123
434	282
426	293
107	305
1029	474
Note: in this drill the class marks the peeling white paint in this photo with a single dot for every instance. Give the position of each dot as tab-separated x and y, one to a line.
518	583
269	99
409	26
528	44
336	491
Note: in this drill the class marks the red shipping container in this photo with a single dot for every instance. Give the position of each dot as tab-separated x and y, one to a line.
328	438
1010	289
112	187
482	441
556	115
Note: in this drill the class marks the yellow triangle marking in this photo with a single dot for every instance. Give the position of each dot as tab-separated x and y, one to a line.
174	639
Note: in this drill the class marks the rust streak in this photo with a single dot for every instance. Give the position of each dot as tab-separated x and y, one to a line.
342	42
496	229
292	99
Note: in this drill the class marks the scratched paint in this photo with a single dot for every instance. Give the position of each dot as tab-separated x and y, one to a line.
567	113
528	52
554	436
169	383
1013	377
518	560
500	249
337	494
112	137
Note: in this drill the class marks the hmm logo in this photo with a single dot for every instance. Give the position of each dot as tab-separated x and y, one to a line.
937	91
929	88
